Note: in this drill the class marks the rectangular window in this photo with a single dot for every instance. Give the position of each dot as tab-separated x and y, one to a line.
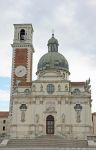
50	88
4	121
3	128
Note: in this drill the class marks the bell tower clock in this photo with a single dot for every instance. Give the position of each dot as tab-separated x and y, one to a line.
22	55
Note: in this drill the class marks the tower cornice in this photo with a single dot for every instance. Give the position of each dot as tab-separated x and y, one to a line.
22	45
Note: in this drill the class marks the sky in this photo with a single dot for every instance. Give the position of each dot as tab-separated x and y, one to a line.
74	25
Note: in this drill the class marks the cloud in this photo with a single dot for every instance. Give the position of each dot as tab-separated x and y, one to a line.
4	95
75	28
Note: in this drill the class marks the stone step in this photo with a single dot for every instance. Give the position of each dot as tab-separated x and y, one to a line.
47	148
35	141
47	142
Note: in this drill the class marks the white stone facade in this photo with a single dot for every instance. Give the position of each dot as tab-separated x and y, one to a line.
60	105
54	95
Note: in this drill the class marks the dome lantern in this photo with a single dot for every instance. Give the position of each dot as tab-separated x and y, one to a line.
52	44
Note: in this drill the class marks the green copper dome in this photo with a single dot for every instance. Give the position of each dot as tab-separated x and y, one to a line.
53	59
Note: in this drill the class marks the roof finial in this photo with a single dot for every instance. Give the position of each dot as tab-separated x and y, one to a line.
52	32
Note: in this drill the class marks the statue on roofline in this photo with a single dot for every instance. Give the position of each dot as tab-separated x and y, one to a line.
87	86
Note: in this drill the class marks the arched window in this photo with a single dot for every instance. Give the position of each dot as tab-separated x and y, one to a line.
22	34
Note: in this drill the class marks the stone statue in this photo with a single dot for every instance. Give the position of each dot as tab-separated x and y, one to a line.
63	118
59	88
41	88
87	86
23	109
34	88
23	116
78	116
78	109
66	87
36	118
17	84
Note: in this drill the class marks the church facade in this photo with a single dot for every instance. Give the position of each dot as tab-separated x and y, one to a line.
52	104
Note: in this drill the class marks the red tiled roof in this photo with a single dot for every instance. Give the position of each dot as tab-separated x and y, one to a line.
94	113
77	83
4	114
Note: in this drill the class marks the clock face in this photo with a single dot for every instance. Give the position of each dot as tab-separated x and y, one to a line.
20	71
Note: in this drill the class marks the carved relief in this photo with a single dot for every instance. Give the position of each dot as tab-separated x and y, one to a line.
50	107
76	92
27	91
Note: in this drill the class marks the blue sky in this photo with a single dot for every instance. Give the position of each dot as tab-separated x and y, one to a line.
5	83
74	24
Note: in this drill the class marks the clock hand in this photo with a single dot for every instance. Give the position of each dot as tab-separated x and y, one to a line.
19	71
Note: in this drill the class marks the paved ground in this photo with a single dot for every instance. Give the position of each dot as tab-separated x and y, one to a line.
47	148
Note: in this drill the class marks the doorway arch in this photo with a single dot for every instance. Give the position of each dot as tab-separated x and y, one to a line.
50	124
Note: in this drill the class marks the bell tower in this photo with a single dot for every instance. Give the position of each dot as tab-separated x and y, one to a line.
21	77
22	55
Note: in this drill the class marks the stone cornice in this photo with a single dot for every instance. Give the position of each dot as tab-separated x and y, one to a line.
64	95
22	45
52	81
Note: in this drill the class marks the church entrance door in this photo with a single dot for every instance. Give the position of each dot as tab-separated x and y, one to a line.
50	124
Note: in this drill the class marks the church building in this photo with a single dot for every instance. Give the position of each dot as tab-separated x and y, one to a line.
51	104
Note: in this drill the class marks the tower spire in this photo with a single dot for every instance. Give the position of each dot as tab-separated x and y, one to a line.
52	32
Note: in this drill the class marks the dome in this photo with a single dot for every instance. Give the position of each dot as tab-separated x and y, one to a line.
53	60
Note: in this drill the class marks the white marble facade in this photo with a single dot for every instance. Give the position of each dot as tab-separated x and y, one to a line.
52	104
